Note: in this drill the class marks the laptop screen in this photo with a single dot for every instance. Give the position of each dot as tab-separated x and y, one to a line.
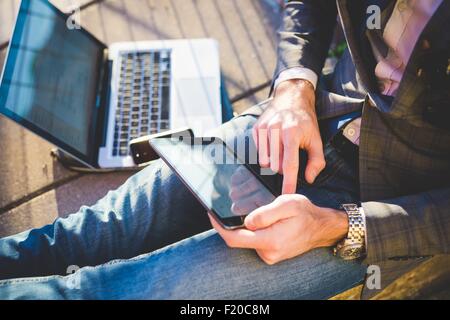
50	79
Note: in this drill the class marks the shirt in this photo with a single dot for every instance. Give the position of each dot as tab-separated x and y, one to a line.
400	35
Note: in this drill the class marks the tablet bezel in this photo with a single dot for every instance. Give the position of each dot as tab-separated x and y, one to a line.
228	223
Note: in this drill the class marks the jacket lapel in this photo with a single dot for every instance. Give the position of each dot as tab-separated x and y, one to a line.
412	87
354	31
351	29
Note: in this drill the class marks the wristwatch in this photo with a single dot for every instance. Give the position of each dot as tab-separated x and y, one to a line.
353	246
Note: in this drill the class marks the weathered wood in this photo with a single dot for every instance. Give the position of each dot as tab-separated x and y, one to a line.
26	163
430	280
9	8
245	30
250	99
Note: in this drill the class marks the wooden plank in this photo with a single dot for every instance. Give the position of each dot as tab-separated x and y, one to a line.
250	100
428	281
66	5
26	163
109	21
9	8
245	62
60	202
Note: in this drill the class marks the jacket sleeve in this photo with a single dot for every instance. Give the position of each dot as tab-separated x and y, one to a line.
411	226
305	34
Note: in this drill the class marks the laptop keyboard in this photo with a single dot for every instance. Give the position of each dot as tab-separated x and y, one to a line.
143	97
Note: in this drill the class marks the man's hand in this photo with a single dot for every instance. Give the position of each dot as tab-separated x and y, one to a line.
287	227
290	124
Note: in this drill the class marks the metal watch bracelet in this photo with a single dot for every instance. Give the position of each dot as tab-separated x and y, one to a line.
353	246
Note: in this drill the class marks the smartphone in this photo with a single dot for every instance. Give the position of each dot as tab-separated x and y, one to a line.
224	185
142	152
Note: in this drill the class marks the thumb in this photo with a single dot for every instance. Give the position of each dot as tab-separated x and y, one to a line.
266	216
316	160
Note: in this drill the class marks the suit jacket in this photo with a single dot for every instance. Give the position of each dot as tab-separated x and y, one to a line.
404	153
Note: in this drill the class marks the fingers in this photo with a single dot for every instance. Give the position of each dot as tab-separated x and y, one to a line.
290	167
269	144
263	147
260	133
268	215
316	160
279	148
241	238
275	145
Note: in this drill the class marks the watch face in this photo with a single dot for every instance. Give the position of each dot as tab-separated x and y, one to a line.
352	251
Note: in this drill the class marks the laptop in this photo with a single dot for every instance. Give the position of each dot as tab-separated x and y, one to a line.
90	100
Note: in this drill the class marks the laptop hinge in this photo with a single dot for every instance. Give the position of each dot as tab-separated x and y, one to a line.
102	101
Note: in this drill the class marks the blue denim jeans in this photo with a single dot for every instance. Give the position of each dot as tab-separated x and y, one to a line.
150	239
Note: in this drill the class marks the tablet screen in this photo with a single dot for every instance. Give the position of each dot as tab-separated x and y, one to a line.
221	181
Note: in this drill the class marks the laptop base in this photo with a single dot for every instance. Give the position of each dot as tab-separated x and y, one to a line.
72	164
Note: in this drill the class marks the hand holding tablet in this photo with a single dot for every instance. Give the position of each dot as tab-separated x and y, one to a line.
224	185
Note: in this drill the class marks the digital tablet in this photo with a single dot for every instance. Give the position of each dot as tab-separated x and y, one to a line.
225	186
